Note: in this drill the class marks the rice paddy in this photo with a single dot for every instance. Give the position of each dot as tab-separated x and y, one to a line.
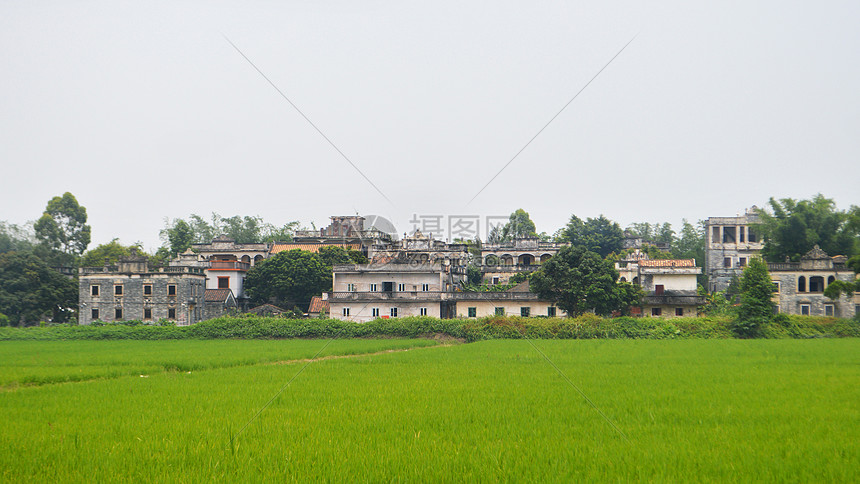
691	410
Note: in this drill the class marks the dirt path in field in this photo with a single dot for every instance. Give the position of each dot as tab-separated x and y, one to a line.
355	355
443	343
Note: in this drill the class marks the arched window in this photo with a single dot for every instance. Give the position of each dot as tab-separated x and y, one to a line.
545	258
491	260
636	280
246	259
801	284
831	280
257	259
623	279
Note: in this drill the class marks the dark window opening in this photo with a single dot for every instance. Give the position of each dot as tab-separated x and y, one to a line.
729	235
804	309
828	310
171	290
525	312
742	262
117	314
831	280
656	311
393	312
117	290
500	311
94	290
147	313
679	311
147	289
727	262
388	287
715	235
171	313
751	237
473	312
658	289
816	284
801	284
550	311
223	283
95	314
741	235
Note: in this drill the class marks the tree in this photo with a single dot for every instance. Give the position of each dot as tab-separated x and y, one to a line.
290	278
63	226
14	238
756	309
578	280
179	236
334	255
599	235
31	292
519	225
112	251
795	227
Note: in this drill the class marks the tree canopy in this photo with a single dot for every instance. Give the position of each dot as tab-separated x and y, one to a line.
578	280
63	226
792	228
112	251
756	308
243	229
290	278
599	235
31	292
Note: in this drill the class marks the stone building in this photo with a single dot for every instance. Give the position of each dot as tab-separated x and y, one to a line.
344	231
799	286
501	261
218	302
730	242
130	290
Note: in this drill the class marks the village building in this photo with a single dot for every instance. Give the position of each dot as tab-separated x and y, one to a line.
730	242
130	290
394	288
319	307
501	261
799	286
516	301
670	285
347	231
218	302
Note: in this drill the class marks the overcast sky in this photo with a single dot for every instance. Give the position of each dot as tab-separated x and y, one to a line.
144	111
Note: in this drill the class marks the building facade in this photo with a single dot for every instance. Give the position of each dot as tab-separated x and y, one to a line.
799	286
130	290
670	285
730	242
499	262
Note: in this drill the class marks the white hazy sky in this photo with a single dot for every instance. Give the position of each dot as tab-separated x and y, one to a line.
144	111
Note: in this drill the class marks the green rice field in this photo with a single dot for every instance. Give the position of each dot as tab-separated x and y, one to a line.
676	411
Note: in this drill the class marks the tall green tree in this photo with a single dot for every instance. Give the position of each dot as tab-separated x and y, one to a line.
578	280
31	292
519	225
179	237
242	229
63	226
290	278
15	238
756	309
599	235
792	228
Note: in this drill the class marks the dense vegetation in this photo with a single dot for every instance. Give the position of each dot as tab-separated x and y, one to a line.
495	327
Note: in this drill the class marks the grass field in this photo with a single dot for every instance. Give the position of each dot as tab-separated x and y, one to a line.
690	410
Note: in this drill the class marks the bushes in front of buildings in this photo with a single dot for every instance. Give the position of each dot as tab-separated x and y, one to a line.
587	326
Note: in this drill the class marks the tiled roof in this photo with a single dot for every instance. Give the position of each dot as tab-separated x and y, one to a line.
667	263
309	247
318	305
217	295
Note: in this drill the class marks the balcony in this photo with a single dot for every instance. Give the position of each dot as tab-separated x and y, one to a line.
228	265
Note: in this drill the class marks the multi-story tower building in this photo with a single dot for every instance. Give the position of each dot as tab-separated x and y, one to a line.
730	242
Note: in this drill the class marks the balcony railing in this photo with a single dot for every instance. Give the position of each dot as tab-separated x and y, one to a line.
229	265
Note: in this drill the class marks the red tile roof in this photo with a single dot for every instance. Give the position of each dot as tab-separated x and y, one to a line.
217	295
667	263
312	247
318	305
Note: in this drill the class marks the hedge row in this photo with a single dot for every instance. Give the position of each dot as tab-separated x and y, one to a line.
497	327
